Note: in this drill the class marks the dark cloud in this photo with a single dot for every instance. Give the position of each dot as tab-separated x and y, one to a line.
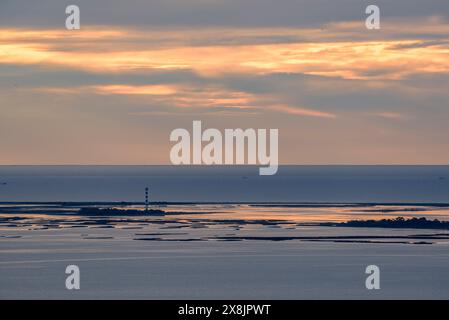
234	13
48	76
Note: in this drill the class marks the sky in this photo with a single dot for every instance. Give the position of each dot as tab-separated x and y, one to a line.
111	92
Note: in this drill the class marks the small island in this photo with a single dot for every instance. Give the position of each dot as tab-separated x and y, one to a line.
399	222
94	211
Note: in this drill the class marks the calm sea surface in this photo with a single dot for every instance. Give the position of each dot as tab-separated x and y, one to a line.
226	184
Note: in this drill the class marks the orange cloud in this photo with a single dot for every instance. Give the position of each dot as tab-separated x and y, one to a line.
390	115
302	111
189	96
208	52
127	89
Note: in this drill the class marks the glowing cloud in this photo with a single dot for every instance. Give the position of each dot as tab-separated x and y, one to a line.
99	49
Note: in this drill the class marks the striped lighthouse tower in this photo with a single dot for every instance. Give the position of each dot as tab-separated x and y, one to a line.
146	199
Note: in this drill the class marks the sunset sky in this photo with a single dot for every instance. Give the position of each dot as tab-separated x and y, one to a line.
112	92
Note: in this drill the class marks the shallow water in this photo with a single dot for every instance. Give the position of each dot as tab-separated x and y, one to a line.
223	250
171	258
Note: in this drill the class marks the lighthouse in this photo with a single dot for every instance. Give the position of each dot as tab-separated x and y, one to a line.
146	200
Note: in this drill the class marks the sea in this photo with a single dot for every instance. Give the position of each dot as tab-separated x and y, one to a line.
226	184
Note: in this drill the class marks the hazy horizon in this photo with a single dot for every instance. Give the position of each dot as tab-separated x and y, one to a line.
407	184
